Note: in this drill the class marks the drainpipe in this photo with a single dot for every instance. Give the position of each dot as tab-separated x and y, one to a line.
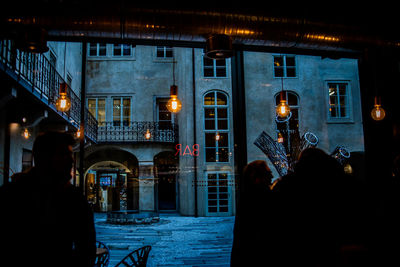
194	134
82	124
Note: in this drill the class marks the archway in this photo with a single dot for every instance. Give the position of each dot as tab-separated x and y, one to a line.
111	181
165	170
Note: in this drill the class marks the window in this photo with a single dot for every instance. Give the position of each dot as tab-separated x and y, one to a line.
289	130
122	50
218	197
97	107
216	127
338	100
164	52
26	159
121	111
164	116
284	66
214	68
96	49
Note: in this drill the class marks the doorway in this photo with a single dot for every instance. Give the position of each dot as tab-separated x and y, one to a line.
166	167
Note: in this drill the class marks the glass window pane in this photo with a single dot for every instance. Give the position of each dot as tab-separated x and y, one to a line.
221	72
223	209
169	52
333	100
292	99
278	72
332	111
278	61
209	99
208	72
102	49
209	113
208	62
220	62
342	89
290	72
210	154
223	155
212	203
212	209
221	99
222	113
342	100
210	140
127	50
117	50
223	140
290	61
93	50
223	124
212	176
209	124
343	112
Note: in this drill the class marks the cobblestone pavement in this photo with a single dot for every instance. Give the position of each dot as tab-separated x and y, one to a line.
176	240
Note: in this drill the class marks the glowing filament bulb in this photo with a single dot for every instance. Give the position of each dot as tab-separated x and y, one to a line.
378	113
147	135
26	133
174	104
283	109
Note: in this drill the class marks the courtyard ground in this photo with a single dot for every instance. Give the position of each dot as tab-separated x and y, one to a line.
176	240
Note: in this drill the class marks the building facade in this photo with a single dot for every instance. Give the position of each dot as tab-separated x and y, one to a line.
139	155
187	163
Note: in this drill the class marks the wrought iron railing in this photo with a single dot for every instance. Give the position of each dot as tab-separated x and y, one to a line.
135	131
38	75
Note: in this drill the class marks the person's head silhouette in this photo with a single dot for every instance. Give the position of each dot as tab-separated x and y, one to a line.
52	155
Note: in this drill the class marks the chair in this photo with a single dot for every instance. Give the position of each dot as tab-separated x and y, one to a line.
137	258
102	255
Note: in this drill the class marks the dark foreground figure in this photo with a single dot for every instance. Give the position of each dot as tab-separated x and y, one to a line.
46	221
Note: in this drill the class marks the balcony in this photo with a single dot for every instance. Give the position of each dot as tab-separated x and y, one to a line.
35	73
135	131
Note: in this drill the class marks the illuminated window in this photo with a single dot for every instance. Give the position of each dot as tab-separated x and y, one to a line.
338	100
216	127
284	66
121	111
97	107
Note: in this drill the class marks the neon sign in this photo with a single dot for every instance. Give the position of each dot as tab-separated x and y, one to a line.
188	151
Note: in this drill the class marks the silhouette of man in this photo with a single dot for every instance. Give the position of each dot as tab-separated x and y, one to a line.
45	220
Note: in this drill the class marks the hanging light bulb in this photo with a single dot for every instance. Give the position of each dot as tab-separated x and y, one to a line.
283	109
78	133
63	103
217	136
26	134
280	138
378	113
147	135
174	104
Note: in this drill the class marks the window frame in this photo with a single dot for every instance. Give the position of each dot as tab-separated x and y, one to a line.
121	115
122	50
229	193
97	50
226	131
214	68
349	107
285	67
96	115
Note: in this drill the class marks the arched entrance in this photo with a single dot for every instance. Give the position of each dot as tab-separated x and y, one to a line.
111	181
165	170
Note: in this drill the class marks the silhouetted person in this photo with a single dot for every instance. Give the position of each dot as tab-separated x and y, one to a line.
46	221
252	222
316	212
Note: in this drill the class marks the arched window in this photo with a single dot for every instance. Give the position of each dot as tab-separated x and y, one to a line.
288	129
216	126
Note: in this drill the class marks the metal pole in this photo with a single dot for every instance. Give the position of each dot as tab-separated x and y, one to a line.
82	123
239	115
194	134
